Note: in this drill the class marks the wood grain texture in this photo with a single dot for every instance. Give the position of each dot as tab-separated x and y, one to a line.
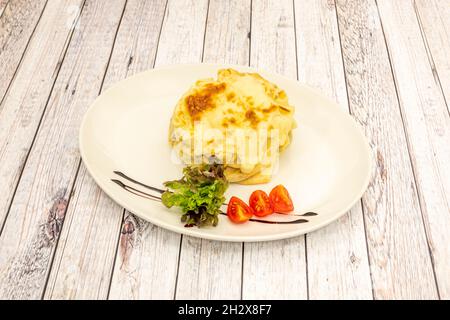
209	270
17	23
25	101
427	124
434	17
85	252
183	31
274	270
37	212
3	4
227	37
399	257
338	266
151	264
146	264
204	271
85	255
59	226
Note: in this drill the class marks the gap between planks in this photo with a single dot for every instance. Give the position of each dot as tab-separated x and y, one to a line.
29	243
80	160
56	73
425	137
202	54
408	142
22	54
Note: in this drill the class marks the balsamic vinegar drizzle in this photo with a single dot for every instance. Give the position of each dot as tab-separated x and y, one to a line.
307	214
136	191
157	198
120	174
275	222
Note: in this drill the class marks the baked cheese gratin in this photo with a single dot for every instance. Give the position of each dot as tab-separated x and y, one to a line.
239	119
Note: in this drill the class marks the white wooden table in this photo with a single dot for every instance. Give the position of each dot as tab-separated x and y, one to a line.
386	62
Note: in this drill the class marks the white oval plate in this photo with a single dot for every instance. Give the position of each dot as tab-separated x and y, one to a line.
326	168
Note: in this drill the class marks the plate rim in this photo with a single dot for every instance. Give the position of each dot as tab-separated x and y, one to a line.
209	236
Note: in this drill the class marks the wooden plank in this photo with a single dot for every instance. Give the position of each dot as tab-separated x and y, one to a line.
25	101
427	124
85	252
434	17
399	258
3	4
338	266
227	37
182	33
274	270
17	24
204	271
37	212
85	255
147	262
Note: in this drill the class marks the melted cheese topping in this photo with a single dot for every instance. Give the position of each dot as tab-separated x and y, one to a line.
229	111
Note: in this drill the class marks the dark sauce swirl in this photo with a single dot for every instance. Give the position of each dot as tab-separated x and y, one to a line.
160	191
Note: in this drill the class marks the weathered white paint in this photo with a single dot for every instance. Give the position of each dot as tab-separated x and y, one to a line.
400	262
274	269
85	255
427	124
204	270
26	99
338	267
17	21
37	212
396	68
151	264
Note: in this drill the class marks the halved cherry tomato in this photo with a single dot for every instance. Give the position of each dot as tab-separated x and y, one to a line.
260	203
238	211
281	200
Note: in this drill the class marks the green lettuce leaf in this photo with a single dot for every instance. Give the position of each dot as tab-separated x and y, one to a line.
199	194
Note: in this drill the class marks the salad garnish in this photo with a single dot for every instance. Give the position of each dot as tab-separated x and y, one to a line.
199	194
203	177
238	211
260	202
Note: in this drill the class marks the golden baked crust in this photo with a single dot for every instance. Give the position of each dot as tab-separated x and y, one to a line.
236	106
